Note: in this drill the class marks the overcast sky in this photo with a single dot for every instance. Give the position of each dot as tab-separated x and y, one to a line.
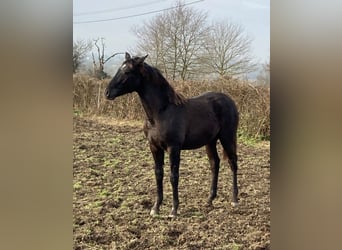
253	15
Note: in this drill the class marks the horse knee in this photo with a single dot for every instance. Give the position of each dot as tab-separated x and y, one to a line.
174	178
159	172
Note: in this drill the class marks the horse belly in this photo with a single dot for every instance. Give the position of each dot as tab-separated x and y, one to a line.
199	136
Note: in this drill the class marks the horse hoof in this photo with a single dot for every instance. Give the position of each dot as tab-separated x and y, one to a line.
172	216
154	212
234	204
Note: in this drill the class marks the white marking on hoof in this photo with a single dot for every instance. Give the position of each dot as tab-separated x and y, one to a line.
153	212
234	204
172	216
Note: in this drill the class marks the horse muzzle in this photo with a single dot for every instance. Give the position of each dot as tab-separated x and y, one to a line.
108	95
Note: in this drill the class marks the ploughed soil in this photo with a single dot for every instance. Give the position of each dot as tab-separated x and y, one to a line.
114	190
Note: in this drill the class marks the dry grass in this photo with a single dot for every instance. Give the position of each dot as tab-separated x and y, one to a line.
253	102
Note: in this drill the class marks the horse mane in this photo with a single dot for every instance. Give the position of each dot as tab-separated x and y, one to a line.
157	78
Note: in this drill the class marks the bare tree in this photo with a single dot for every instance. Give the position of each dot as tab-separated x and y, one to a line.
99	64
229	50
264	74
151	42
193	31
174	40
181	44
79	51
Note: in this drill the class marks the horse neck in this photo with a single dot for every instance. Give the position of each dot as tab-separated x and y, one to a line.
154	99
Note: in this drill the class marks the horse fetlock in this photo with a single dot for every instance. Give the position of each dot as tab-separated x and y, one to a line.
173	213
154	212
234	204
155	209
210	201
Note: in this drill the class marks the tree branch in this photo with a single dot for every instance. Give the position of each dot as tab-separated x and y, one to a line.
110	57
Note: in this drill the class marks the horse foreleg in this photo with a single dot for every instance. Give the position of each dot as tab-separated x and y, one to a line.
158	156
174	154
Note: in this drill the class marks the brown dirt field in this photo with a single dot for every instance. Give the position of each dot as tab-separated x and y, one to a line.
114	189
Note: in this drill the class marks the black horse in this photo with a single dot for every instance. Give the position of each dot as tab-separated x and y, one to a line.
174	123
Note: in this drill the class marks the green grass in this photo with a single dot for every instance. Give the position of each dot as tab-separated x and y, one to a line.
245	138
77	185
77	112
233	246
105	193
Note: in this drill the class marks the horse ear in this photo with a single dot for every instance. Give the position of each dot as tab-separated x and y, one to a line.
127	56
141	59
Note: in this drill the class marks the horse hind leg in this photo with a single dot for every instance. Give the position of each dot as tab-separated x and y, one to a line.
214	161
174	156
229	146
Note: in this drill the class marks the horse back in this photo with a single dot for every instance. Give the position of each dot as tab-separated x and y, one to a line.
215	106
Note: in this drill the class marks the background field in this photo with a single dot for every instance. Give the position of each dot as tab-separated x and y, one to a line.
114	189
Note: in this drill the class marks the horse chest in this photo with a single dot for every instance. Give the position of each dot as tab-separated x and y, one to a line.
160	136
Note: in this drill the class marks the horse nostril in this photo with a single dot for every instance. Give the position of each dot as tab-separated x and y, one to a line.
107	92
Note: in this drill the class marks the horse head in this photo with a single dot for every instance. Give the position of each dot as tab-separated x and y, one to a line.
127	79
